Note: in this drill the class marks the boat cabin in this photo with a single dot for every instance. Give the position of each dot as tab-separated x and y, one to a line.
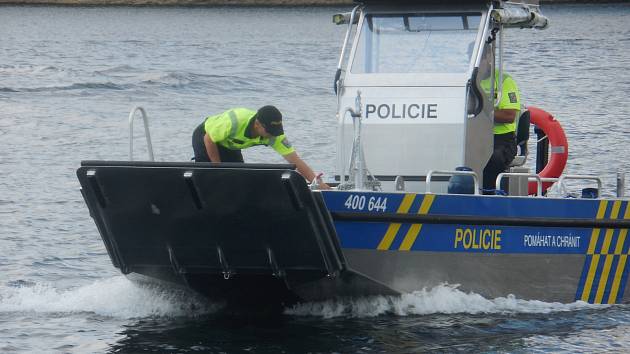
411	93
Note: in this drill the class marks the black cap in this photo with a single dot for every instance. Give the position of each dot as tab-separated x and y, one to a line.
271	119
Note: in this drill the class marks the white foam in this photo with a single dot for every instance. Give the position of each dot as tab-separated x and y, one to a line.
114	297
445	299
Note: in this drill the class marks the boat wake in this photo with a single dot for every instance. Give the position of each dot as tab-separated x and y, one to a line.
445	299
113	297
120	298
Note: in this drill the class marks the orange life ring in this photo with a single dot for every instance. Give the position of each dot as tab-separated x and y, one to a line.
559	147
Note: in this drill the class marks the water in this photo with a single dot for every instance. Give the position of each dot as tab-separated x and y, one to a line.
68	78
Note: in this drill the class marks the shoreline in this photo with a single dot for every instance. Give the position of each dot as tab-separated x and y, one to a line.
253	3
182	3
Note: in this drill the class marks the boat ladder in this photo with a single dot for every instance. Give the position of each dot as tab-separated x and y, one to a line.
145	119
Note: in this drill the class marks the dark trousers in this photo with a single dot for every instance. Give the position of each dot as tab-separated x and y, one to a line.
504	152
201	155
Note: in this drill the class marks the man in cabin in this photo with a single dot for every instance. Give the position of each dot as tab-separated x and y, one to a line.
505	115
221	137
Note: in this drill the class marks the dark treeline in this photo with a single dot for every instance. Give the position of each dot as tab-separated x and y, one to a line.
230	2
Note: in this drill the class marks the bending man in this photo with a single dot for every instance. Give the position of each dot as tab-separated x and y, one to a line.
221	137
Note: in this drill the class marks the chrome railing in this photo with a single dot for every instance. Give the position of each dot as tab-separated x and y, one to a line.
145	119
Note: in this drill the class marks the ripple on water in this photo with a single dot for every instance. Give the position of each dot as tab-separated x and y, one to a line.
66	94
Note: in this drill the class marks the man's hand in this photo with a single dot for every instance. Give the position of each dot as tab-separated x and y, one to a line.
320	183
305	170
324	185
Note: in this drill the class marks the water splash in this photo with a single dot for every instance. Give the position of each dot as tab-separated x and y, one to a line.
447	299
114	297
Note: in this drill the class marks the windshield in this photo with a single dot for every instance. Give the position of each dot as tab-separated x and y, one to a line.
421	43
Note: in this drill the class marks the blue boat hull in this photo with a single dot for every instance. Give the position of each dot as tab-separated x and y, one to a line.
256	233
536	248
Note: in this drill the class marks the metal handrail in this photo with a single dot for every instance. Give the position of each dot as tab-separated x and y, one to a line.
539	180
343	48
451	173
347	37
586	177
357	158
500	88
145	119
342	152
565	177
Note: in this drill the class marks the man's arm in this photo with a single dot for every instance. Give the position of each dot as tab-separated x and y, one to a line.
304	169
505	115
211	149
510	104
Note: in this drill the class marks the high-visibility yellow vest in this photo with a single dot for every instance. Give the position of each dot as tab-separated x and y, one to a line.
510	99
229	129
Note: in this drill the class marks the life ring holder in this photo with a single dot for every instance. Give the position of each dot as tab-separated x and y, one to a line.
559	147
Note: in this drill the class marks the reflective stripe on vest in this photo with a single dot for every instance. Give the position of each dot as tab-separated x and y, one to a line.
234	121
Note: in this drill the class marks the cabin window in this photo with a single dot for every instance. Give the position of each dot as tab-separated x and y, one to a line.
421	43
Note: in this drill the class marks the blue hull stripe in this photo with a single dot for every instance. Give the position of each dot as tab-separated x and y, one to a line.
605	271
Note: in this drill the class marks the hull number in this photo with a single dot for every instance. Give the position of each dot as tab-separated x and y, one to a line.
360	202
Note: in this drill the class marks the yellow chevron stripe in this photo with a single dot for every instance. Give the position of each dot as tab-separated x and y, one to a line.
603	279
620	241
593	244
622	234
615	209
410	237
589	278
607	241
414	230
586	292
595	235
387	240
621	265
393	228
612	298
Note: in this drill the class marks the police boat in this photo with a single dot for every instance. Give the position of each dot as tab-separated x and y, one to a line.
405	215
